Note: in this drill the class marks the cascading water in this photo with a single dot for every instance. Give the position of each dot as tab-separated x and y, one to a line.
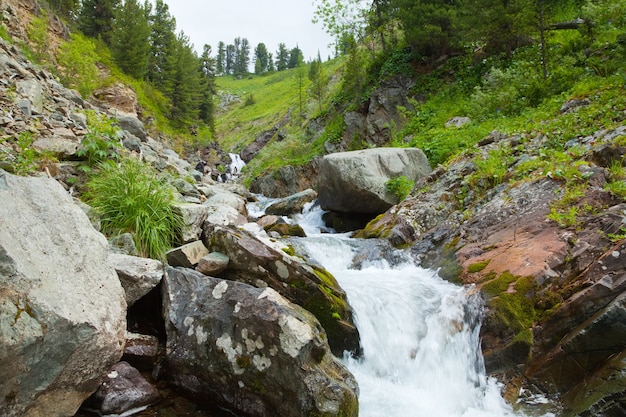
420	334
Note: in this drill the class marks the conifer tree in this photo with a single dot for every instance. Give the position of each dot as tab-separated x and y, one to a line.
230	59
282	57
130	40
162	44
208	88
296	58
261	57
318	79
186	90
96	18
65	8
220	62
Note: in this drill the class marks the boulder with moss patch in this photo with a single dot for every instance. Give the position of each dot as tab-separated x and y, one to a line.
257	263
250	350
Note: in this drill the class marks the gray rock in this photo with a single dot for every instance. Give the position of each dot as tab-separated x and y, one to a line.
292	204
132	125
194	216
458	121
124	244
354	182
187	255
31	90
63	143
250	350
137	275
213	263
62	308
141	350
256	263
124	389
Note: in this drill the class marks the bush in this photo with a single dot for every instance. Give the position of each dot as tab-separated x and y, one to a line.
400	187
130	198
77	59
99	143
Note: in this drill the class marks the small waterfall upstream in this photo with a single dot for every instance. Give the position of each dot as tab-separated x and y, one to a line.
420	334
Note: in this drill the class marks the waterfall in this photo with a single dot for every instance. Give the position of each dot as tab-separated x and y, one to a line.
236	164
419	333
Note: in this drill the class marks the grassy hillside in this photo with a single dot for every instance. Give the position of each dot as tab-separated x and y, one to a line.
264	102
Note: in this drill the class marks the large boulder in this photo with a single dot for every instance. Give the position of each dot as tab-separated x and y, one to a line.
62	308
250	350
354	182
254	262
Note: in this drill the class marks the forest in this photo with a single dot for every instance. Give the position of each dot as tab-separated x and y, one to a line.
144	43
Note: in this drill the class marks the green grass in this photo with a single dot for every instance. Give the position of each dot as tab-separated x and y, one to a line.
266	101
129	197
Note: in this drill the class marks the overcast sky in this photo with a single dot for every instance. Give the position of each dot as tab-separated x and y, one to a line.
270	22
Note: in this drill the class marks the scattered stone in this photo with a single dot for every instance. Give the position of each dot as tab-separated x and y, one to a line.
213	264
124	389
187	255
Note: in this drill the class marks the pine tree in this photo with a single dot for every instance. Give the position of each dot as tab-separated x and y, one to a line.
96	18
230	59
499	25
296	58
65	8
319	80
162	43
186	91
282	57
429	26
131	38
261	57
208	88
242	56
220	63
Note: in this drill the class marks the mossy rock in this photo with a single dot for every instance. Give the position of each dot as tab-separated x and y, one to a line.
510	299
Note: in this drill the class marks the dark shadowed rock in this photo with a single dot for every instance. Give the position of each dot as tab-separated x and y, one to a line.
124	389
248	349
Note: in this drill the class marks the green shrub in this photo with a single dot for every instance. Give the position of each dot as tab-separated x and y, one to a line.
99	143
77	58
400	187
38	34
26	158
130	198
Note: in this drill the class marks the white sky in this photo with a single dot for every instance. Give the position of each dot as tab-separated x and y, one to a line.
267	21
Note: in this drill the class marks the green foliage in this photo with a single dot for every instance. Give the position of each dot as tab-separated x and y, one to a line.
26	158
399	186
130	198
38	34
398	63
77	59
130	38
478	266
3	32
249	101
490	171
99	144
96	18
617	184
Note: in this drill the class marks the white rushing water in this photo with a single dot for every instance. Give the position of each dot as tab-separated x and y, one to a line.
419	333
